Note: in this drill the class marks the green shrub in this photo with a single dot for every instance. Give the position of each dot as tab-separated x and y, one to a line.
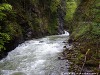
4	8
70	10
4	38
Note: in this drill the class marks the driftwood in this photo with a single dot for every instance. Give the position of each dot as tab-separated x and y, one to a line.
84	60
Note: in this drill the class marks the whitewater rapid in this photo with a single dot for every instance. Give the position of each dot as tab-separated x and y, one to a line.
37	57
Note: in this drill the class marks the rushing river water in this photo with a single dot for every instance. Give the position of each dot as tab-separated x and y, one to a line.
36	57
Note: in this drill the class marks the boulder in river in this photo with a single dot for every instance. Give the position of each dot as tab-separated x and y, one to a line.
64	47
41	41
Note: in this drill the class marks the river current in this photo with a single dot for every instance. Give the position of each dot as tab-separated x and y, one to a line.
37	57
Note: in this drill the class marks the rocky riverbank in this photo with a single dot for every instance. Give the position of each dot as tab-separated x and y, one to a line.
83	59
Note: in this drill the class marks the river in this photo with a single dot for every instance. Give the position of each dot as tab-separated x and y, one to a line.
37	57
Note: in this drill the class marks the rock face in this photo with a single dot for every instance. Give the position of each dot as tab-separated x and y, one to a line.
32	18
61	15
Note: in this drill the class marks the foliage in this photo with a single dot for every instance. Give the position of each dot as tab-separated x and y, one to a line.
70	10
96	29
4	38
52	28
54	5
4	8
95	12
86	30
80	31
89	28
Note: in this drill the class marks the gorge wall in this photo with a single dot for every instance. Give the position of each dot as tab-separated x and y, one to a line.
26	19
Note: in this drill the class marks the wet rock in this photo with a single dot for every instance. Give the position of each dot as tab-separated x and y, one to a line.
41	41
70	41
64	42
60	58
62	67
64	47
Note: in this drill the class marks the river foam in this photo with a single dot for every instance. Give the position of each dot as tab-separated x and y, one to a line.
36	57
